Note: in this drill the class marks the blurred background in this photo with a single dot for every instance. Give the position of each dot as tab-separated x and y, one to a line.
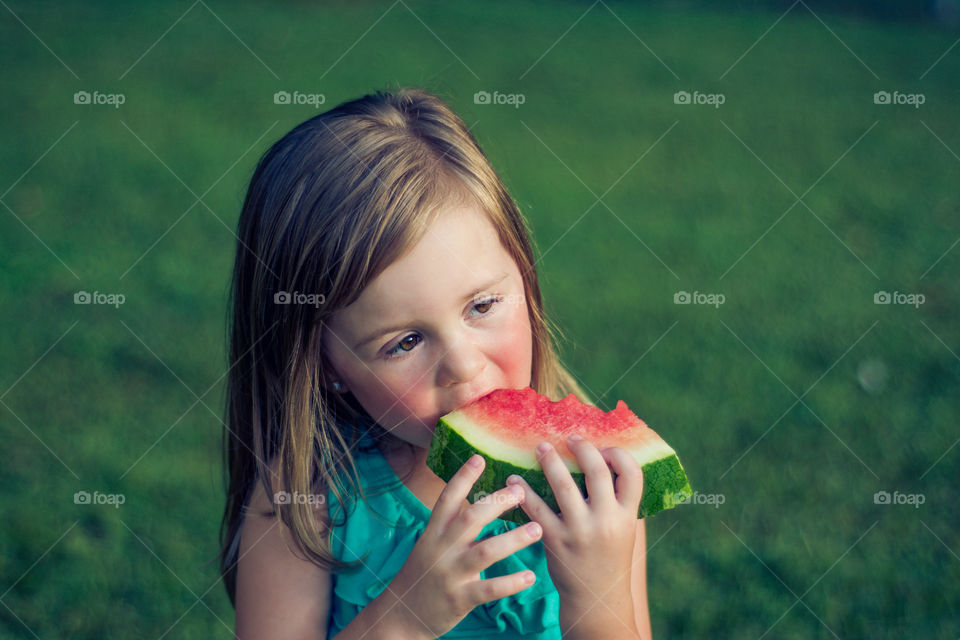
747	223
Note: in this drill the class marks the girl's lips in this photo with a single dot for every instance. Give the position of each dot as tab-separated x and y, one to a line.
470	401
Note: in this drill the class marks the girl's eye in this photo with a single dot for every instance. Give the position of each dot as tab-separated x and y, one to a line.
407	343
486	304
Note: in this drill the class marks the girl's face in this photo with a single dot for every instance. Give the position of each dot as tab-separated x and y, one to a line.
443	325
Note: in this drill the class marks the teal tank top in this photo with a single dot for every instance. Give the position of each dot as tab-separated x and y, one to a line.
531	613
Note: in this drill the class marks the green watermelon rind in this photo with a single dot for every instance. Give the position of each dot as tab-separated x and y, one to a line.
665	483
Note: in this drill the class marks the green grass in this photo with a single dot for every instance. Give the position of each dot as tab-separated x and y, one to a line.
721	384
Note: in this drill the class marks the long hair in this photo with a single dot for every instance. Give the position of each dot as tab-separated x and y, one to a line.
330	206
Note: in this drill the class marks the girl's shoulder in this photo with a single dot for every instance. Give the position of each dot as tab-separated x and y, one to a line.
262	504
274	581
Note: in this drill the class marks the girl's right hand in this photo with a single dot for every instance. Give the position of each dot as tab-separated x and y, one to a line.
440	583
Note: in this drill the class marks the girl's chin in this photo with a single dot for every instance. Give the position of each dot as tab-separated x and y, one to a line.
419	436
426	436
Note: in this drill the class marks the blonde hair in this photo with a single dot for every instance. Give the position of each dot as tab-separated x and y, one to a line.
329	207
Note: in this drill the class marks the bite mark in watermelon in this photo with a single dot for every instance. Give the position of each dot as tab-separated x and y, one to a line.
506	425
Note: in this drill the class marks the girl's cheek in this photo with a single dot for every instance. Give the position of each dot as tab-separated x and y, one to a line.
398	389
515	351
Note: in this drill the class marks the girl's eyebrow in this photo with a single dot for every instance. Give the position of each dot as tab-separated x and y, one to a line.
385	330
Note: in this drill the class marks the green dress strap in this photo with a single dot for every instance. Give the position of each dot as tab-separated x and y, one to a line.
389	539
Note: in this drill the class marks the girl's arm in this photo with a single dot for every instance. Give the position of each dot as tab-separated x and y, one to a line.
600	622
638	582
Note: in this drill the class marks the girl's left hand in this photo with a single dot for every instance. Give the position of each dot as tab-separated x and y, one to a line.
589	545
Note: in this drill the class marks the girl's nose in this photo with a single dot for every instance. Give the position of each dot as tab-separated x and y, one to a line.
461	363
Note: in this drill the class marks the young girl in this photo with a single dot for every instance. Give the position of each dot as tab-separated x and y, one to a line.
383	278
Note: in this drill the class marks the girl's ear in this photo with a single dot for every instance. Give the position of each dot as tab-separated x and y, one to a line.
331	380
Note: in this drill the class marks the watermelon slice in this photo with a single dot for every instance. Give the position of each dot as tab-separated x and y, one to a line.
506	425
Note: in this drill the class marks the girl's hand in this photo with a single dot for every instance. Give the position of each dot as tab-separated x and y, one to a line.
589	545
440	583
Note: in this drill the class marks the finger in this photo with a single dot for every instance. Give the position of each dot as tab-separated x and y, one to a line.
455	492
485	552
535	508
483	591
566	491
595	471
467	525
629	484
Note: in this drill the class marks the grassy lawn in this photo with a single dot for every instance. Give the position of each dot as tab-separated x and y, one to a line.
797	199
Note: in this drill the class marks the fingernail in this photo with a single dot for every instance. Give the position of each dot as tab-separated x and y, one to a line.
533	530
513	479
475	461
575	438
516	490
544	447
528	577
